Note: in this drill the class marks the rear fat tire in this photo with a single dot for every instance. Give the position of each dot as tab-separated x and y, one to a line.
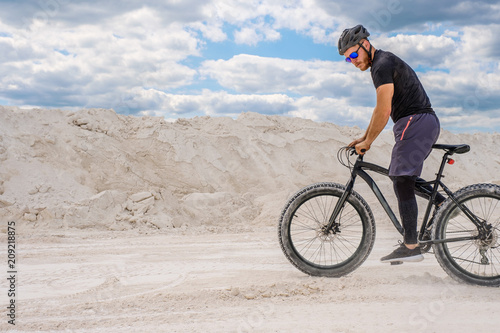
317	254
462	260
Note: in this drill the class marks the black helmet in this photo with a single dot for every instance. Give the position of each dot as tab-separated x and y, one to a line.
351	37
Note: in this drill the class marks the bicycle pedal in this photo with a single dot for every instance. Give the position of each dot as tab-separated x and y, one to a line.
396	263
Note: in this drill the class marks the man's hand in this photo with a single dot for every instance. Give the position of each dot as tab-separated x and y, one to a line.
355	142
360	144
362	147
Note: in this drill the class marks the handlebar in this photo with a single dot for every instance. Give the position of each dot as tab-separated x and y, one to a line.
353	150
344	154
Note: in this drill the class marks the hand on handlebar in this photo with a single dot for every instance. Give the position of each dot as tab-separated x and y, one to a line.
361	146
355	142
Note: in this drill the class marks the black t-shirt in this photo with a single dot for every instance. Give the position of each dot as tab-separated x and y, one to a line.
409	94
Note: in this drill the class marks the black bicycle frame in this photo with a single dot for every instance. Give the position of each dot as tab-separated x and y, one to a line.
359	170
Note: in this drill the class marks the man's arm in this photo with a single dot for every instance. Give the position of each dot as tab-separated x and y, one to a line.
379	119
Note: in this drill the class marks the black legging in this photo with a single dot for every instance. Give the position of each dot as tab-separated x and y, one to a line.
404	187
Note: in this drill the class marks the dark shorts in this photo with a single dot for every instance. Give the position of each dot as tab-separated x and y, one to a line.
414	136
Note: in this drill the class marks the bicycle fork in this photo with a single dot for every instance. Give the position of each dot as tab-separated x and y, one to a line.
333	226
376	190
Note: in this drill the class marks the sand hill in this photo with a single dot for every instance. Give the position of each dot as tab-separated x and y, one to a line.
97	169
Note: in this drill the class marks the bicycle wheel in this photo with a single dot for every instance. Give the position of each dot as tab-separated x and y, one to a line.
474	261
309	248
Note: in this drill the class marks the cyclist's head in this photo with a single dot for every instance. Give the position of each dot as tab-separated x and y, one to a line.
352	37
352	42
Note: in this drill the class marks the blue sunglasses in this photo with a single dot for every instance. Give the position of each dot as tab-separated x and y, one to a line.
353	55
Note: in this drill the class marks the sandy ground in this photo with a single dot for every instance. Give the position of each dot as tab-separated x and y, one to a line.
80	281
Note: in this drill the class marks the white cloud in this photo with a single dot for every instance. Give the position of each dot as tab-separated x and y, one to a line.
304	17
132	50
337	110
480	43
110	53
247	36
472	122
146	55
424	50
254	74
212	103
261	20
212	32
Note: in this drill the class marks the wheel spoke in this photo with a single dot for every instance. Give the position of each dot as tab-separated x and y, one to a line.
478	258
313	244
316	251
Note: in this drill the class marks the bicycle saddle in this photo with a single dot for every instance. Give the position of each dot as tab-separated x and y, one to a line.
453	149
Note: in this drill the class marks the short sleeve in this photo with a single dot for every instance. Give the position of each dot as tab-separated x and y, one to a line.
383	72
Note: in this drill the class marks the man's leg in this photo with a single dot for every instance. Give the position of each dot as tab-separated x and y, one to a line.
414	136
404	187
439	197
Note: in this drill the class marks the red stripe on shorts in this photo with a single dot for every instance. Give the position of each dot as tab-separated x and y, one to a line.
408	124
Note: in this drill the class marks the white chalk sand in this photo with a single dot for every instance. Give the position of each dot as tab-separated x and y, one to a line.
128	224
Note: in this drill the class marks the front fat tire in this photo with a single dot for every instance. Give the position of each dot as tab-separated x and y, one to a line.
462	260
314	253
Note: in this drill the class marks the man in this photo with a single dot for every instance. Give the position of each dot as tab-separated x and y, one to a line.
401	96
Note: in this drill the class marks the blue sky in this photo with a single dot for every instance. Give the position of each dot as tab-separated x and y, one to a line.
179	59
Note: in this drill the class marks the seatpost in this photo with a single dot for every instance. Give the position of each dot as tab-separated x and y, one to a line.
443	163
434	192
439	175
466	211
